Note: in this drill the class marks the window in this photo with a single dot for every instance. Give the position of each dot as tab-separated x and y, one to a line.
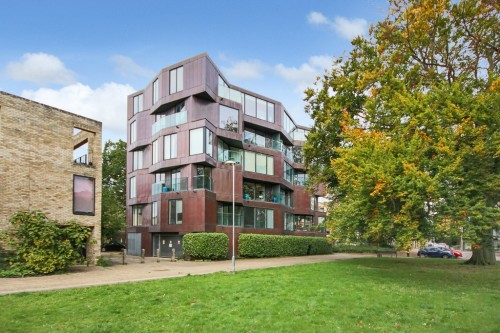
137	159
155	91
300	179
303	222
313	202
201	141
288	124
298	155
154	213
176	180
260	163
289	222
259	108
226	153
136	215
138	103
225	214
203	178
175	208
176	80
258	218
155	150
133	132
170	146
228	118
132	188
83	195
287	172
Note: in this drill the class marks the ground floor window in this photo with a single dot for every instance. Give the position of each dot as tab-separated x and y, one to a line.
83	195
258	218
154	213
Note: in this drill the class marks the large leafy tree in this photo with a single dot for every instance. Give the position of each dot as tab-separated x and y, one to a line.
114	164
406	133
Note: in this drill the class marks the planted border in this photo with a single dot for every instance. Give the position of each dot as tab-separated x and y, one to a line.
261	246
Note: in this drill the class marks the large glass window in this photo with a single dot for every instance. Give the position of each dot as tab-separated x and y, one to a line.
175	208
133	132
260	163
289	222
287	172
133	193
225	214
258	218
259	108
228	118
176	80
137	159
156	152
138	103
203	178
288	124
300	179
136	215
170	146
83	195
226	153
154	213
303	222
155	91
201	141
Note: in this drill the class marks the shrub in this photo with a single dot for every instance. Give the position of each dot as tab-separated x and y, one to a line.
41	245
206	245
104	262
350	248
260	246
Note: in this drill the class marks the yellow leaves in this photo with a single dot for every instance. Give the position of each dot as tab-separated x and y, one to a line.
378	189
495	85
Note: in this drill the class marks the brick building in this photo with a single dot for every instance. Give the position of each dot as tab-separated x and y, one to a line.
50	161
182	129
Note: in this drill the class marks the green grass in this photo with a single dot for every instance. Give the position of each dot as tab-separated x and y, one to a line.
360	295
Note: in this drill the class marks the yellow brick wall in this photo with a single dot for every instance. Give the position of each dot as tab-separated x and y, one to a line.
36	162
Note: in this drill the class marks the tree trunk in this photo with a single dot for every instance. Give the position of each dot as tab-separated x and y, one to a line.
483	254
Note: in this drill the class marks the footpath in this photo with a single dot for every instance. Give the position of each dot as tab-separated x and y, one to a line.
151	269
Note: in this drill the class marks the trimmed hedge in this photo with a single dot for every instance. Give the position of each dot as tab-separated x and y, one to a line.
344	248
260	246
206	245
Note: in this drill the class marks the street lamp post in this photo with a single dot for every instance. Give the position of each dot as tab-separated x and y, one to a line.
234	258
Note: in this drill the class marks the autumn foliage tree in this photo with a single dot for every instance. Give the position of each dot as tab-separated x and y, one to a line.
406	128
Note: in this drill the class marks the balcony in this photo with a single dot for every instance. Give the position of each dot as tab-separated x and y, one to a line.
231	155
226	219
84	159
203	182
174	185
170	121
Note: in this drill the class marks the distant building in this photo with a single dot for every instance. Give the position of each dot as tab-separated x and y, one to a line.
51	162
182	129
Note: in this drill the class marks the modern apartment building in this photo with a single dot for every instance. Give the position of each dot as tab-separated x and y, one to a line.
183	128
50	160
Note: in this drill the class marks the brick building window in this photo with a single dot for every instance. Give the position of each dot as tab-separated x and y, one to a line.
132	188
175	211
176	80
138	103
83	195
136	215
155	91
154	213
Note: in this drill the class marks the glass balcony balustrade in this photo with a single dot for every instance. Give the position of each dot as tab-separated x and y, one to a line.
231	94
231	155
203	182
170	121
226	219
174	185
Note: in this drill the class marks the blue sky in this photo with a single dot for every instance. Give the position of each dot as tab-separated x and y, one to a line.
87	56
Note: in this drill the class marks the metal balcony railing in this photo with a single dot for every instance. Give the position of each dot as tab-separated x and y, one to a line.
84	159
170	121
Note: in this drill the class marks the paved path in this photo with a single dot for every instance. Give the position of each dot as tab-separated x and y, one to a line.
83	276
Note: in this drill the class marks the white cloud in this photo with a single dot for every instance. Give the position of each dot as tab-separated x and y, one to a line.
126	67
305	75
317	18
347	28
40	68
350	28
245	69
107	103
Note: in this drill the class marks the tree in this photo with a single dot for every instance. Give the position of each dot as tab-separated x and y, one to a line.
114	164
406	129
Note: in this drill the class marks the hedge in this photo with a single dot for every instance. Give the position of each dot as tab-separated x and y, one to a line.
206	245
260	246
347	248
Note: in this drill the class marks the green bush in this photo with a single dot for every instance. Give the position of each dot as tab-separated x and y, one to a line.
41	245
205	245
260	246
104	262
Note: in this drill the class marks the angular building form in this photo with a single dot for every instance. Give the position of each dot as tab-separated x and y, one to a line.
50	160
184	131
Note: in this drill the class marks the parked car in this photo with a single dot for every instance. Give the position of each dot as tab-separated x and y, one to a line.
435	252
113	246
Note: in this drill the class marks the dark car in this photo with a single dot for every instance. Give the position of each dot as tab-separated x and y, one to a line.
435	252
113	246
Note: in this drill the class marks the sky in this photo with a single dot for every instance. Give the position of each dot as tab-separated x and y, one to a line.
86	57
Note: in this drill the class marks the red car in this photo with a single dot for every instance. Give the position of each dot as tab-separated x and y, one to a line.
456	253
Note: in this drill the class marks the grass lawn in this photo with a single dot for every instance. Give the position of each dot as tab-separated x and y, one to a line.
360	295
